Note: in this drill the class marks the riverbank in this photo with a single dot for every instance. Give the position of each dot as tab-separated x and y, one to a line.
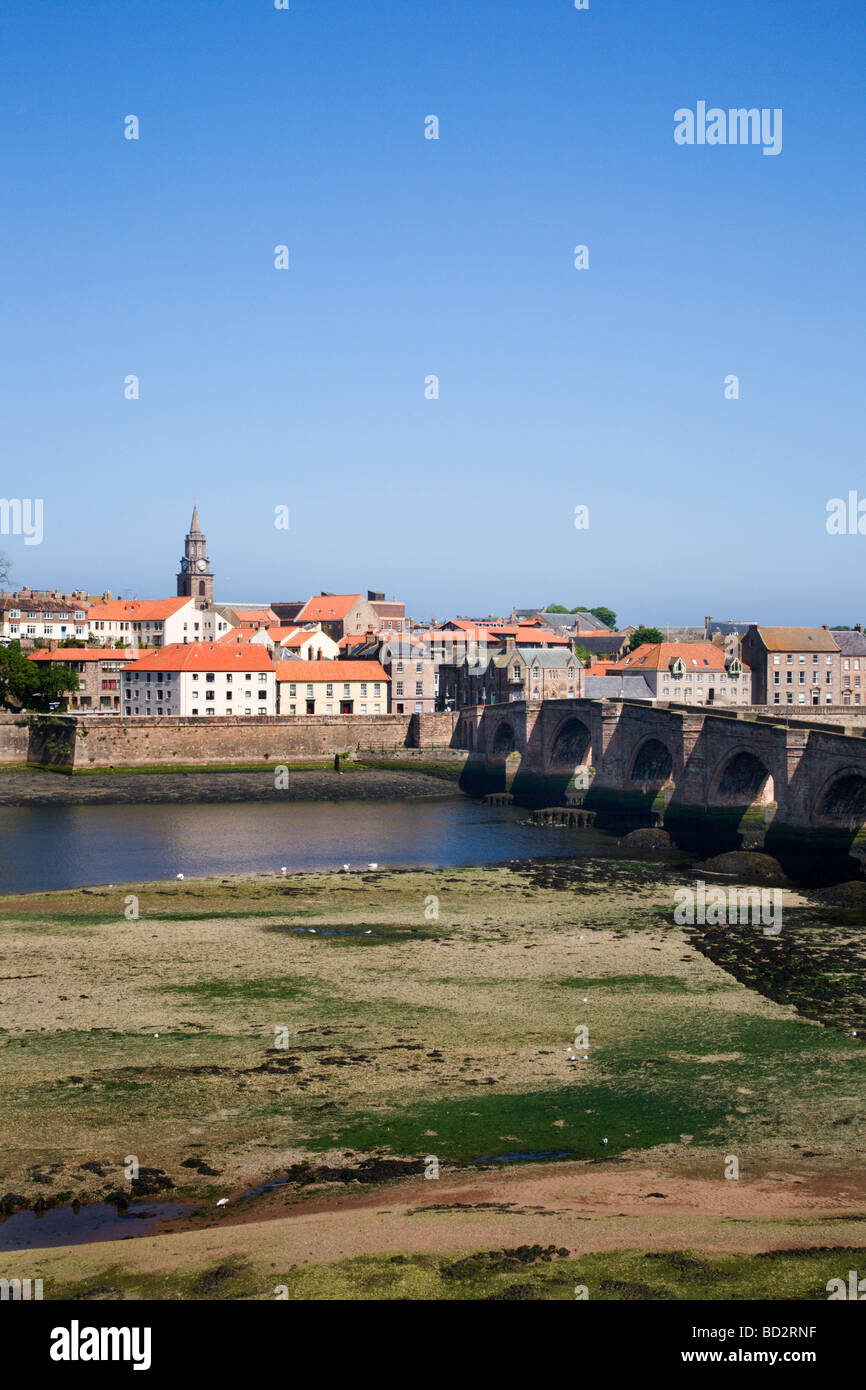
298	782
301	1030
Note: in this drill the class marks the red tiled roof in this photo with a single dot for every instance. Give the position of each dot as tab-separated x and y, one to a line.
306	671
64	654
136	610
696	656
208	656
327	608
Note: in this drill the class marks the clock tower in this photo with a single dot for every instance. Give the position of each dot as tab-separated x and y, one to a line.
195	579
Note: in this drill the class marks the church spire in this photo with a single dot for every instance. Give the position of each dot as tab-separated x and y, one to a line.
195	579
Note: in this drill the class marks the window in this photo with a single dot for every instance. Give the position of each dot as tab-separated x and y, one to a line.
209	695
293	689
400	667
776	659
309	693
419	709
263	694
376	688
329	690
363	709
399	688
345	692
419	688
363	687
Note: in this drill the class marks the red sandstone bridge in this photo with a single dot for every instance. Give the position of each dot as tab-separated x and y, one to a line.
721	776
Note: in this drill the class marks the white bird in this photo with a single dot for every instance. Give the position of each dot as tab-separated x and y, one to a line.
156	1035
180	875
284	870
346	868
369	933
604	1141
372	866
223	1202
583	999
311	930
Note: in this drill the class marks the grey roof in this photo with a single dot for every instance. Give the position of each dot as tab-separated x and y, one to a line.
550	658
582	620
609	687
613	642
850	643
730	628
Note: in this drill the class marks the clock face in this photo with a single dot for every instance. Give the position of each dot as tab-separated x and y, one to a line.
202	564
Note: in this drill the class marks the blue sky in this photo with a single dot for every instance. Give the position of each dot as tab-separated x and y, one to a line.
412	257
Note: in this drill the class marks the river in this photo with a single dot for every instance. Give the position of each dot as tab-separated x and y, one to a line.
49	847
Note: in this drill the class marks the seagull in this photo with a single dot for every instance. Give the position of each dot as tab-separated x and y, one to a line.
370	933
180	875
372	866
346	868
311	930
604	1141
156	1035
284	870
223	1202
583	999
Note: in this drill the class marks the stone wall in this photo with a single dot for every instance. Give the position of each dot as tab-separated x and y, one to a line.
82	741
14	738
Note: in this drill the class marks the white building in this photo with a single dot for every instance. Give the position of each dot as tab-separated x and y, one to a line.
196	679
155	622
42	616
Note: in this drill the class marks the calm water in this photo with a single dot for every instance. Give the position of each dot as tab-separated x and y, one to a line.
63	1226
43	847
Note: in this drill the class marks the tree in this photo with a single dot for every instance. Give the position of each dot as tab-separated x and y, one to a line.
650	635
26	684
5	567
582	655
54	681
555	608
605	615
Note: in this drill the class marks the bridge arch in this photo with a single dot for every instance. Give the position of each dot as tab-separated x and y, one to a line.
502	741
571	746
841	801
652	764
742	779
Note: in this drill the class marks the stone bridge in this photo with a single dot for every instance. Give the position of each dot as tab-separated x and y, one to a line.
713	778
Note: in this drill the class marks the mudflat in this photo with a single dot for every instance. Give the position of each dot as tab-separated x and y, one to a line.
398	1052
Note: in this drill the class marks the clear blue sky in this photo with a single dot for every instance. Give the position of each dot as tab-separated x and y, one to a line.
410	257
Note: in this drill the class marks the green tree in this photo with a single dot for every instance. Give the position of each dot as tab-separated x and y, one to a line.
605	615
645	634
555	608
582	655
26	684
54	681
